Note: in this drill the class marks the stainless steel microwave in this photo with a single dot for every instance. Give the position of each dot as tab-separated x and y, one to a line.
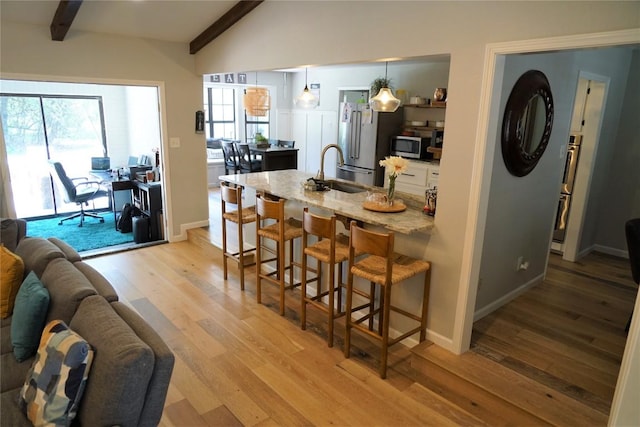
412	147
415	147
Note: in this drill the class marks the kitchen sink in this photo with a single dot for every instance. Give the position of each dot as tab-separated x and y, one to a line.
344	187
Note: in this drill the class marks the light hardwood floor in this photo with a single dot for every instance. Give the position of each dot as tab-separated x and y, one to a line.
550	357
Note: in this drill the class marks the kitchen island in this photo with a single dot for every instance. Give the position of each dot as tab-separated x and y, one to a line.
289	184
413	228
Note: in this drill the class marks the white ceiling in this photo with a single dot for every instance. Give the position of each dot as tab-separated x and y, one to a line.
168	20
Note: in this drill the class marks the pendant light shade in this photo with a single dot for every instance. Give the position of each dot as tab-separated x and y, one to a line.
384	101
306	99
257	101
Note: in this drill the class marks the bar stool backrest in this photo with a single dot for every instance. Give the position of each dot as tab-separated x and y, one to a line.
269	209
318	225
369	242
229	194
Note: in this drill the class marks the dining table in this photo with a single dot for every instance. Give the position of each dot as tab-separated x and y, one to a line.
275	157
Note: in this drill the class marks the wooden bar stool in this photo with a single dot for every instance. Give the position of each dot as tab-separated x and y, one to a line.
383	267
240	216
331	249
281	231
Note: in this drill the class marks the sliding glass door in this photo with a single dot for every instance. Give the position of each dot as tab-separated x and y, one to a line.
39	128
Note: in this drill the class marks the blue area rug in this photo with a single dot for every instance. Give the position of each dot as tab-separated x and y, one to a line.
92	235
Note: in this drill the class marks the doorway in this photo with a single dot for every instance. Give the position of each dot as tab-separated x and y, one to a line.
586	122
73	123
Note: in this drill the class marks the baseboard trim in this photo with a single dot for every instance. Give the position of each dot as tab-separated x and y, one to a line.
479	314
188	226
611	251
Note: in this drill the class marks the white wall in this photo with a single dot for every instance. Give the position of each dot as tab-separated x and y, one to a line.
143	121
620	192
417	77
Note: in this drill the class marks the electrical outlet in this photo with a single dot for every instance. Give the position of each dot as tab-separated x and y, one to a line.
522	264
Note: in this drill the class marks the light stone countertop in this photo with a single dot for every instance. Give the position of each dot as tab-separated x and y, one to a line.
288	184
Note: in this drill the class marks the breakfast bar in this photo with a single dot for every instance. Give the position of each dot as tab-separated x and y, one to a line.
289	184
412	230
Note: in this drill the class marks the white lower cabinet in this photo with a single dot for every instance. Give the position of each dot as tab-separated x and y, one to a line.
418	177
215	168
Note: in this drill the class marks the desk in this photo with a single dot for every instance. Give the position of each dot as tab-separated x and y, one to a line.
148	198
114	185
276	158
145	196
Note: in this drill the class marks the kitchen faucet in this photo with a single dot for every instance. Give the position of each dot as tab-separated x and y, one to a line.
324	150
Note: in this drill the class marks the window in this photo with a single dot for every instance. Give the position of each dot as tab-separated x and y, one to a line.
220	112
38	128
256	125
226	118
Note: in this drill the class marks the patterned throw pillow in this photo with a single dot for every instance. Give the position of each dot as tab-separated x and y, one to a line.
55	383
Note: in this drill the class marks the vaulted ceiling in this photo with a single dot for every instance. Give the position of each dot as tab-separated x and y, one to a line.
186	21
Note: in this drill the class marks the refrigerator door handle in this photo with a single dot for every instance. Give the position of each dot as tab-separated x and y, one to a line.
356	144
562	214
352	134
570	169
355	170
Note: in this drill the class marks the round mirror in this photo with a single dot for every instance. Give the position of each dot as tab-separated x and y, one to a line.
527	121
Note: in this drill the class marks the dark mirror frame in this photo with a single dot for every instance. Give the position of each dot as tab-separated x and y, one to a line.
517	159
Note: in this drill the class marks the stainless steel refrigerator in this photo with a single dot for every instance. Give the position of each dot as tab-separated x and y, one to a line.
365	138
568	178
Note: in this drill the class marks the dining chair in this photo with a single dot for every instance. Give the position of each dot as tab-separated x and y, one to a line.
247	164
230	157
286	144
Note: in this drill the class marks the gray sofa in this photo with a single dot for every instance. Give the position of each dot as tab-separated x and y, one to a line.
132	366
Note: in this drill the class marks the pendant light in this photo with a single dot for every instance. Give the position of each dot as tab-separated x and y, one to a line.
257	100
306	99
384	101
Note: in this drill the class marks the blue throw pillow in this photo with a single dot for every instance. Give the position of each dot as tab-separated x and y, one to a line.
29	315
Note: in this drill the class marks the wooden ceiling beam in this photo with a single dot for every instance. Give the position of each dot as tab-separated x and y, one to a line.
62	20
233	15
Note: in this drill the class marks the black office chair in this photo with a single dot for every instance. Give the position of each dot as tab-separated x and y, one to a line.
80	193
287	144
247	164
230	157
632	231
